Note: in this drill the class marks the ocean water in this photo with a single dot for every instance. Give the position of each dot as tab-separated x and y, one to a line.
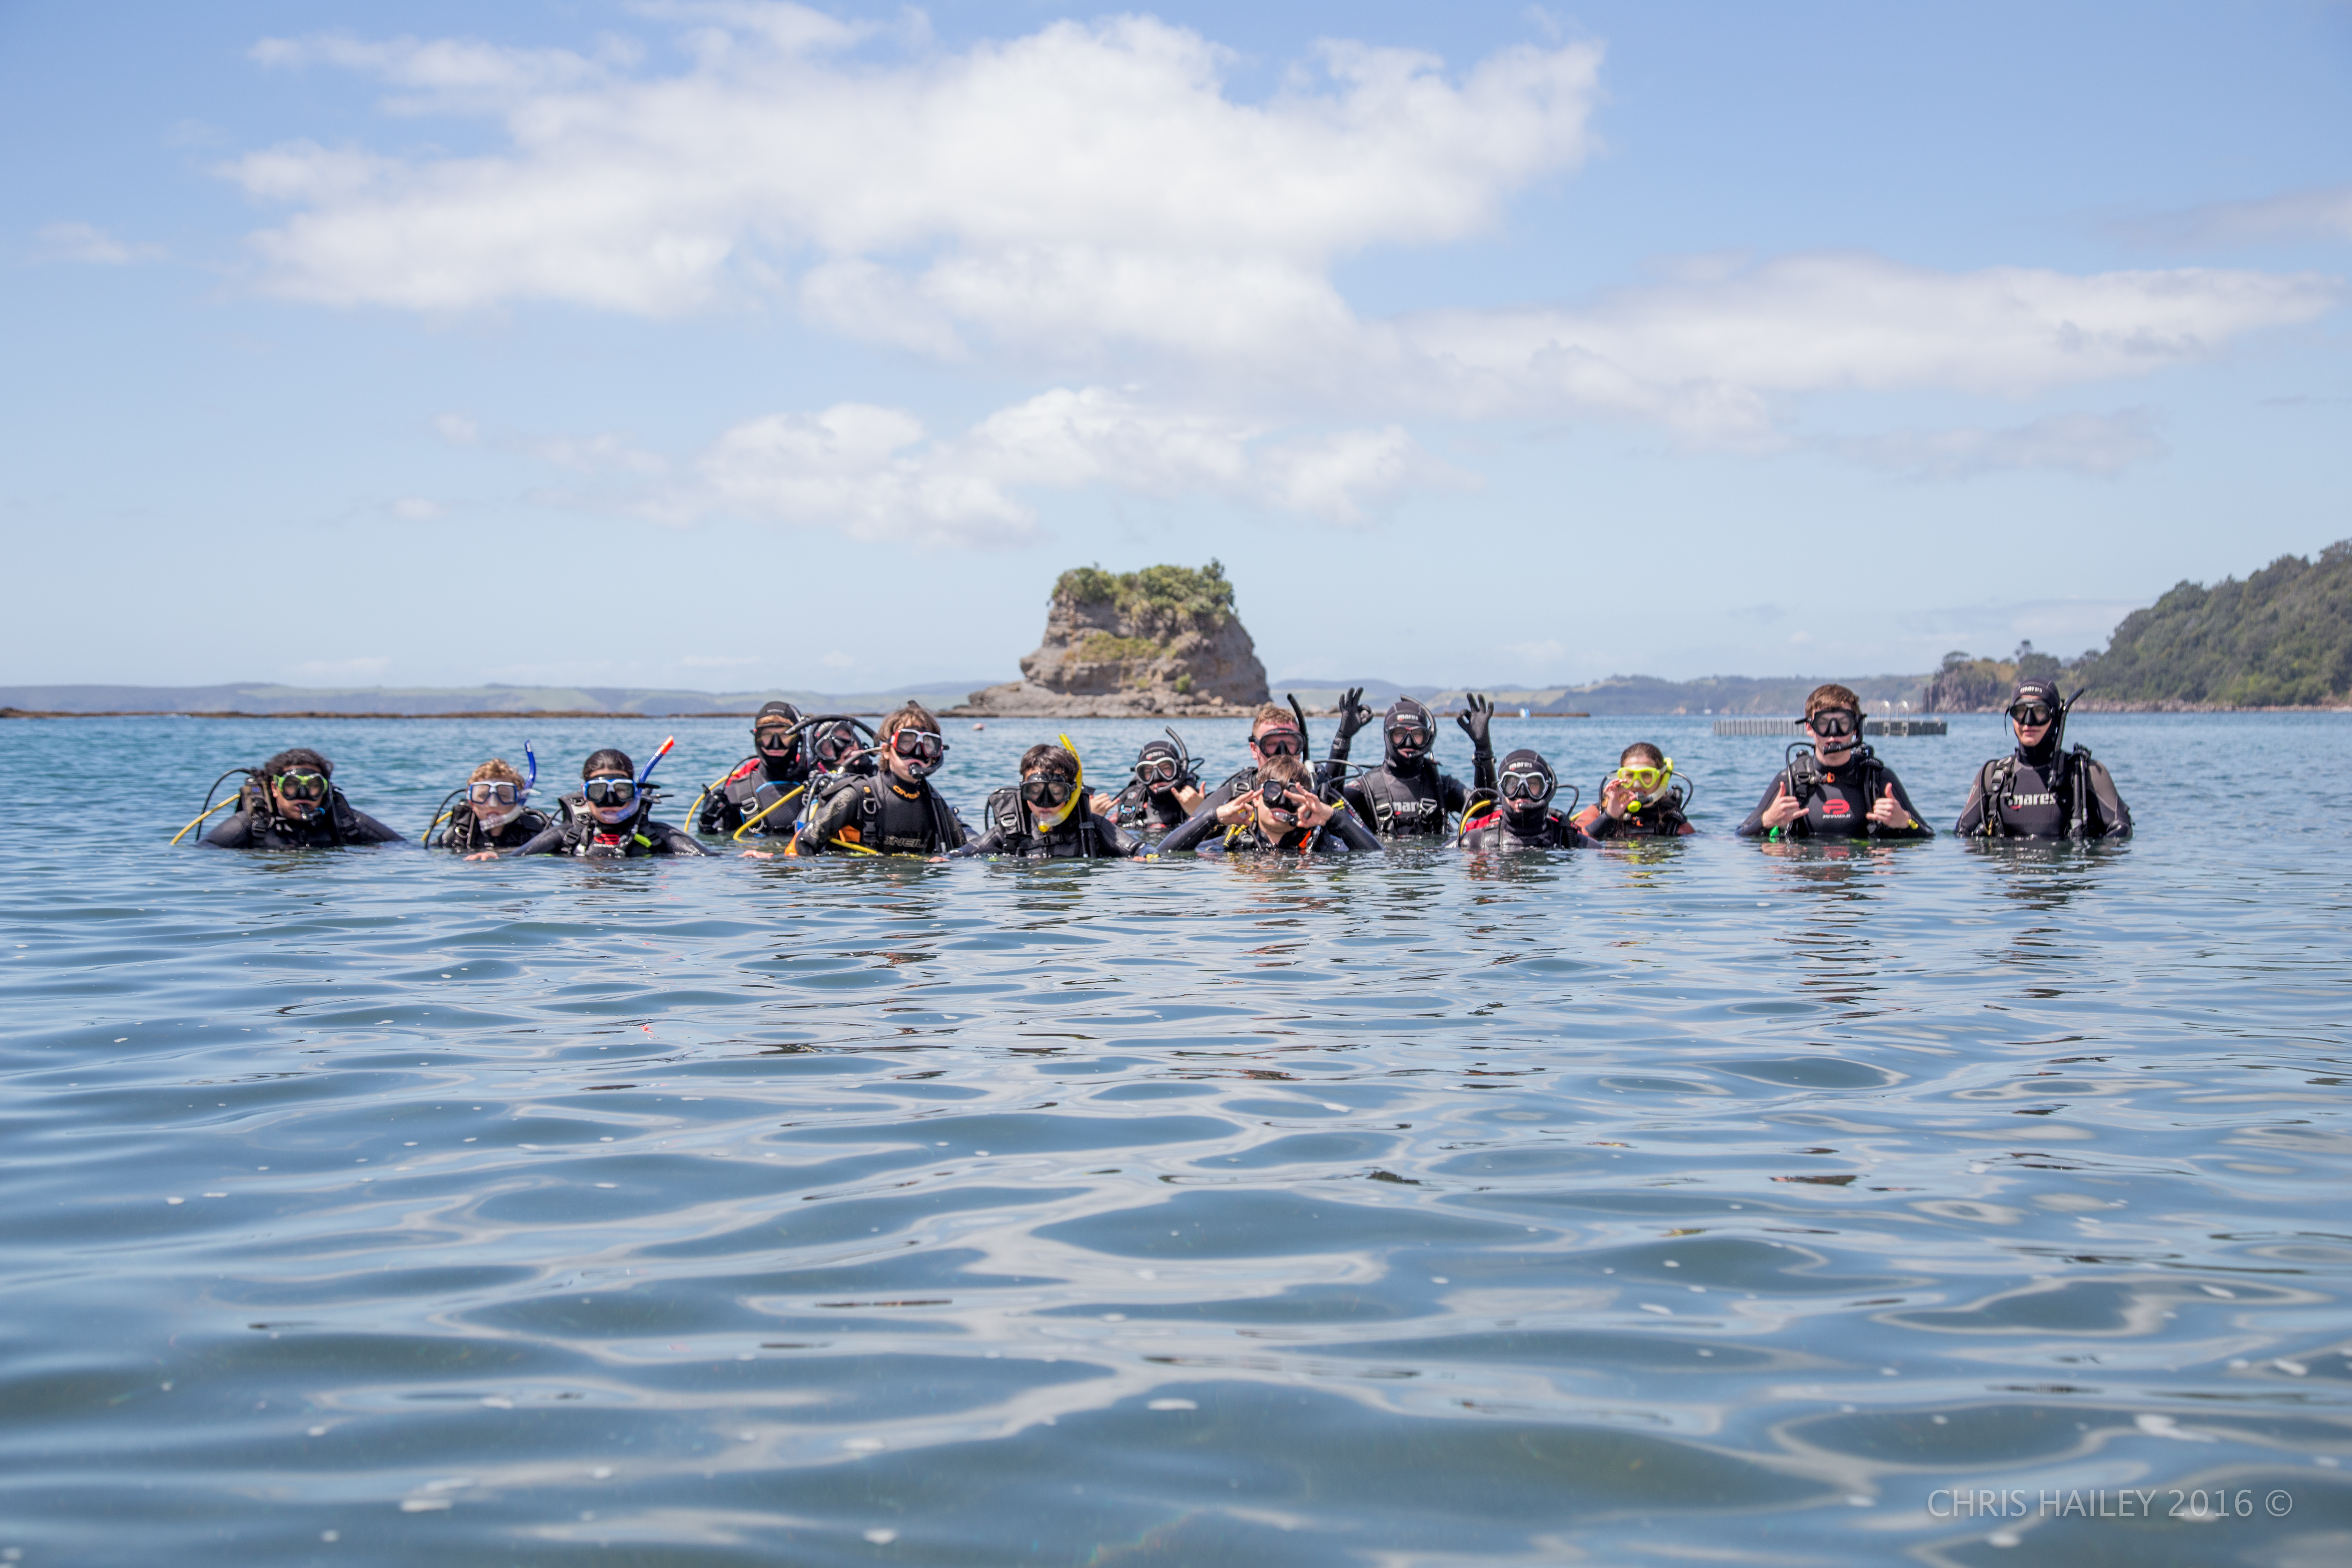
1696	1202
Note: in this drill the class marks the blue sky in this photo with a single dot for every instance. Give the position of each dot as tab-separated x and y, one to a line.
734	345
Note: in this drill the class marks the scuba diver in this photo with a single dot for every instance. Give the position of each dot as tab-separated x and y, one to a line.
1275	731
894	810
763	785
1165	790
1406	793
1281	813
290	803
1047	816
1837	788
1642	799
1522	816
612	817
493	811
2040	790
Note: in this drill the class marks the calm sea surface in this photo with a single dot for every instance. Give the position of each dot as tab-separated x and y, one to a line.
1685	1203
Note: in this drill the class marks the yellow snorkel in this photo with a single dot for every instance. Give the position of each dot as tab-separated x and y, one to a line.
1045	821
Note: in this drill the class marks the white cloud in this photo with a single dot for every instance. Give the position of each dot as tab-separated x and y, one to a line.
418	509
1711	355
1106	147
458	429
2099	444
87	242
1088	200
877	473
2325	214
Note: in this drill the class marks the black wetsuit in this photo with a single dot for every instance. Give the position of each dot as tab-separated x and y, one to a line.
1500	831
582	835
2053	795
756	784
1204	834
1837	804
1659	819
1152	811
466	836
1415	800
1082	835
256	824
885	815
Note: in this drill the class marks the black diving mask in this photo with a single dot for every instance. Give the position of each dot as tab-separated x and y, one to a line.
1046	790
776	743
1411	742
1835	723
919	746
1282	743
2033	713
1525	786
1282	799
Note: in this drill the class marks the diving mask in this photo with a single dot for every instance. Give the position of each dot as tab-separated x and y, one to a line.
608	795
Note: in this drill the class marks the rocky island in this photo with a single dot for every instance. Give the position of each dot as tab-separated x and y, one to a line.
1163	641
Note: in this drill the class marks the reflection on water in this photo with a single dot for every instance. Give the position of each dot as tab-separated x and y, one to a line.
1696	1199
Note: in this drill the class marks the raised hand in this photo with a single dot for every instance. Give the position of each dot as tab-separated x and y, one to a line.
1784	808
1240	809
1477	714
1353	714
1887	812
1314	813
1616	800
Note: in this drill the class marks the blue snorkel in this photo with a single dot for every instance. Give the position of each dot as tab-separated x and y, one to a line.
529	783
650	766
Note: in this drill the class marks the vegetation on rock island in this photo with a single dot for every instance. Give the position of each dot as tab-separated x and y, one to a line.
1205	593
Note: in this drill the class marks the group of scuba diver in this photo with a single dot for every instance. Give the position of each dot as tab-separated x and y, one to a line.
829	784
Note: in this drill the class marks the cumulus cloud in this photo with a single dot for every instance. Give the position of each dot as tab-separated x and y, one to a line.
876	473
1081	145
1090	201
2098	444
87	242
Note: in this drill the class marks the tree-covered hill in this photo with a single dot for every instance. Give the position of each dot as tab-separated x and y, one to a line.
2281	638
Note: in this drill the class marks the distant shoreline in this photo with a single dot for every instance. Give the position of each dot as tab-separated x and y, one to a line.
587	715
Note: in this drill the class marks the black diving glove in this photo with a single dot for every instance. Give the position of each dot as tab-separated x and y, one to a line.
1477	714
1353	714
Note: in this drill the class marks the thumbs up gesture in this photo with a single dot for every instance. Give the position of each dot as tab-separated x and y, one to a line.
1887	812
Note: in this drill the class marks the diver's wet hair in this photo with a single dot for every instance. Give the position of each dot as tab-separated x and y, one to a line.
909	716
1831	696
496	768
1272	713
611	760
1049	759
1289	769
298	758
1642	754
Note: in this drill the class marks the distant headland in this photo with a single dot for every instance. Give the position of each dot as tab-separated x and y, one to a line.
1168	640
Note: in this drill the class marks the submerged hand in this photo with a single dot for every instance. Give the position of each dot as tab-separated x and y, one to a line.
1887	812
483	854
1478	713
1784	808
